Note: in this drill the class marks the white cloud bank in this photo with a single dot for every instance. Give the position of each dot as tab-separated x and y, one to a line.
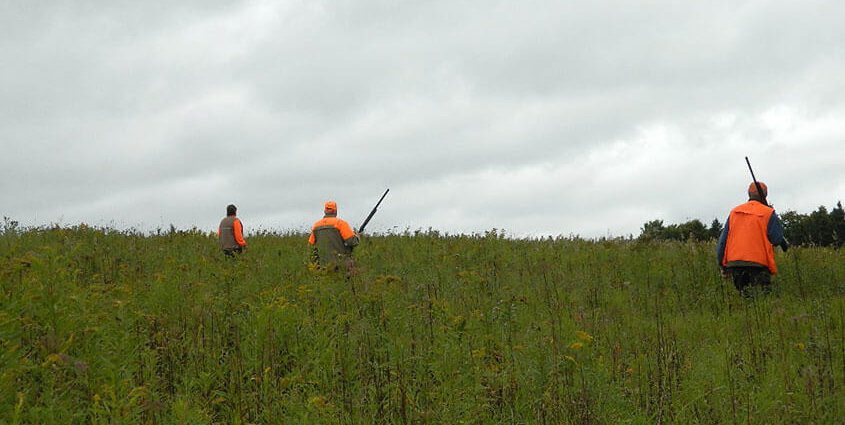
538	117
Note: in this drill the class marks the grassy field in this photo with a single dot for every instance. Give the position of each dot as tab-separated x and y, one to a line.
98	326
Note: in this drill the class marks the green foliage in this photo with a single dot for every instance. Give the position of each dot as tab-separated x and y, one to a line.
819	228
98	326
715	229
691	230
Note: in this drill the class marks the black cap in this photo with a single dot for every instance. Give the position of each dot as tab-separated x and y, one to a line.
231	209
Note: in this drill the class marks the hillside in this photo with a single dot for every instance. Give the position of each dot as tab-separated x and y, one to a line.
108	327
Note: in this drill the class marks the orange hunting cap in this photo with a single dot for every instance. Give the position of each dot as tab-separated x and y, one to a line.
752	189
330	207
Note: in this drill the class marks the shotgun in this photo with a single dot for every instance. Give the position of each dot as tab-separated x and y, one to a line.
785	244
372	213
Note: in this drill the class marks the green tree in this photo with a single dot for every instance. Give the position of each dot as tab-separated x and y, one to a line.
693	229
715	229
652	230
795	227
820	227
837	219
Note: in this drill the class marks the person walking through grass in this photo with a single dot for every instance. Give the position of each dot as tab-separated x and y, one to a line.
230	233
332	240
746	246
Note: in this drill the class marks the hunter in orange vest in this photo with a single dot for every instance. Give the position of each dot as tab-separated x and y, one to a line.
332	240
746	245
230	233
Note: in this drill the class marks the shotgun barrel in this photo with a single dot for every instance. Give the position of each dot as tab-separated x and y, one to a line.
372	213
785	244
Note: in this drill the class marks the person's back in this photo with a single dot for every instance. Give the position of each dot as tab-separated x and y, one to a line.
747	242
746	246
332	239
230	232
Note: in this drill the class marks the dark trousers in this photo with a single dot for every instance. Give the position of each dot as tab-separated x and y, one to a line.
746	278
232	251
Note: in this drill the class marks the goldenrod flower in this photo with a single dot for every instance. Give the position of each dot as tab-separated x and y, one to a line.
583	336
318	401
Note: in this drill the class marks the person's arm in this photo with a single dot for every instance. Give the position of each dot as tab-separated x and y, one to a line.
723	241
239	232
775	230
350	238
312	241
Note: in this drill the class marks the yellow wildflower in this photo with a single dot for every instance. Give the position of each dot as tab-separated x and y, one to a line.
53	359
583	336
318	401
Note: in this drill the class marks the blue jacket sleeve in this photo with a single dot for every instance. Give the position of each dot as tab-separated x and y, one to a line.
723	240
775	230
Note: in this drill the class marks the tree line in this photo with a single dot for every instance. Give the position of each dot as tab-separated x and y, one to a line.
818	228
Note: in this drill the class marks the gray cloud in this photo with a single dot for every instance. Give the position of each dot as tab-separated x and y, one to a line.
538	117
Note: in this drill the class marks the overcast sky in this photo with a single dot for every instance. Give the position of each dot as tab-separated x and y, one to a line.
537	117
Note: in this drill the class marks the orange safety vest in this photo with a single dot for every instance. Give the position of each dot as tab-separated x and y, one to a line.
342	227
748	237
231	233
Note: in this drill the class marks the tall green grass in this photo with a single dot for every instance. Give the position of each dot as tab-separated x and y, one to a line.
98	326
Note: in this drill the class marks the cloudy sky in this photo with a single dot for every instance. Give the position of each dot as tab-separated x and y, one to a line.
538	117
